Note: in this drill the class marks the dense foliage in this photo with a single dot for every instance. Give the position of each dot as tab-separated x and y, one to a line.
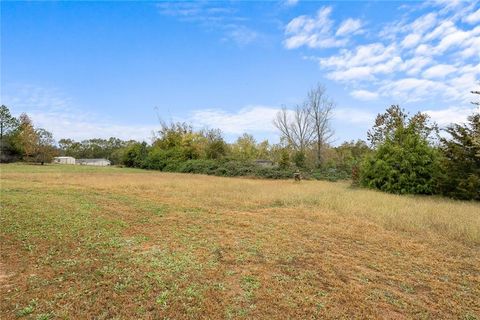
461	160
20	140
406	154
406	160
403	163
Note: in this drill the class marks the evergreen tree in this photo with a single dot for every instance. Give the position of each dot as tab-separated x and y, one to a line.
461	160
403	161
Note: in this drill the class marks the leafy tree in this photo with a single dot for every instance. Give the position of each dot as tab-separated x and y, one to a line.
461	160
245	148
135	155
394	118
27	138
403	161
8	123
299	158
9	151
45	148
284	161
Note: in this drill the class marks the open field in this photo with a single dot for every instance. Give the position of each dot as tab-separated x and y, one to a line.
112	243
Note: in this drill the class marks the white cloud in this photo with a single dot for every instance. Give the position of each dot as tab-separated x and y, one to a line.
209	15
313	32
411	40
350	27
417	58
241	34
416	64
364	95
473	18
53	110
362	63
354	116
450	115
439	71
418	89
81	126
252	119
290	3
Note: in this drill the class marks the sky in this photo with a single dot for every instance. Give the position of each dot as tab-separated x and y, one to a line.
99	69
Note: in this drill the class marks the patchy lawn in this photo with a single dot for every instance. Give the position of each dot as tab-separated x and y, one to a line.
82	242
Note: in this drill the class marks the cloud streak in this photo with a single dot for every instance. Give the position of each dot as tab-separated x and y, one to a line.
427	57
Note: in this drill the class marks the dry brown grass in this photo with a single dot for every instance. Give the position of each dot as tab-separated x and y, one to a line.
117	243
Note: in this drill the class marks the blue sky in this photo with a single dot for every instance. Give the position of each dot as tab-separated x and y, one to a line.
100	69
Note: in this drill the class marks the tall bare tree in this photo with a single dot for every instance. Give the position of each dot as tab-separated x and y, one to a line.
295	126
320	112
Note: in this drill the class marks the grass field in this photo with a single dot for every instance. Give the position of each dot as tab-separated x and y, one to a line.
113	243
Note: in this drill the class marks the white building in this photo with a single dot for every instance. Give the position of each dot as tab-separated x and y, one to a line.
64	160
93	162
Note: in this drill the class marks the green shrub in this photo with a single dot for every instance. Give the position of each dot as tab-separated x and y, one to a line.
402	164
331	174
135	155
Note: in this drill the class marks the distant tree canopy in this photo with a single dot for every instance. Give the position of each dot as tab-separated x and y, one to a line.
21	140
111	149
405	153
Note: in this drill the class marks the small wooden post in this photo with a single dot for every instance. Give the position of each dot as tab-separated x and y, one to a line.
297	176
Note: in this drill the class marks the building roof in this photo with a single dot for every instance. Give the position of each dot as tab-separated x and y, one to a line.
93	160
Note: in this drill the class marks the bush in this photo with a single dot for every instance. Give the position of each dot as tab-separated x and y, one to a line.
402	164
331	174
135	155
199	166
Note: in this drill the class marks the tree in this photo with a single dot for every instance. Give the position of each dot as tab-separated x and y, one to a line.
215	147
135	155
295	127
403	161
349	155
394	118
245	148
7	122
307	125
9	151
45	148
320	110
461	160
27	138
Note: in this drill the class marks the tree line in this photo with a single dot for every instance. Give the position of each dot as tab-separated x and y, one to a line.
404	154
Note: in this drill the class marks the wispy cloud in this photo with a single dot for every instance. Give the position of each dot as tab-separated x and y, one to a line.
416	58
451	115
364	95
354	116
350	27
290	3
252	119
56	112
212	16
